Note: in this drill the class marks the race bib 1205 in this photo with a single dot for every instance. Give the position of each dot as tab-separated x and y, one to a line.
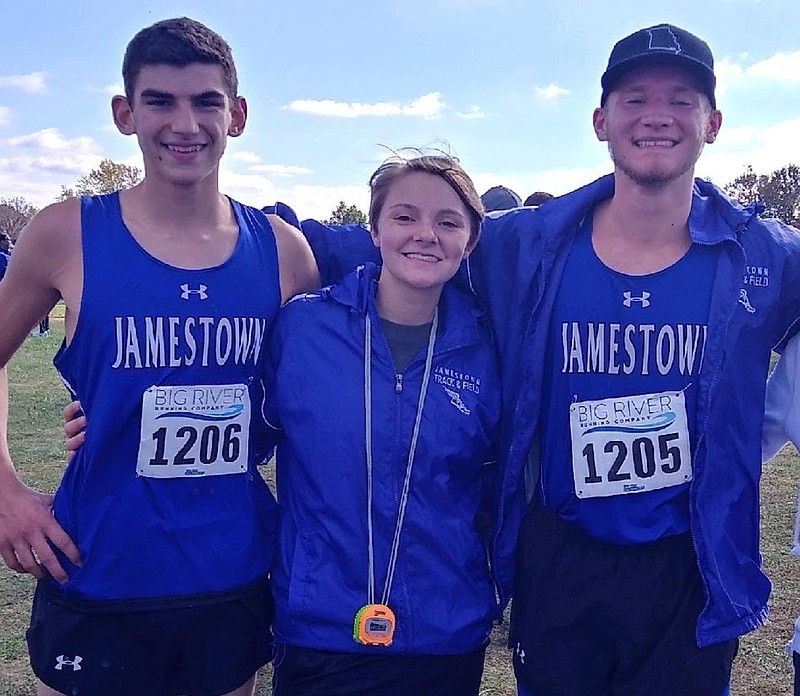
629	444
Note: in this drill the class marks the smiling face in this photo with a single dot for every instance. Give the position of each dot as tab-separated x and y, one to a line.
423	231
182	117
656	122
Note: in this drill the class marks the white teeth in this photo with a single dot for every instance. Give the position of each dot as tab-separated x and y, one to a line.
655	143
422	257
185	148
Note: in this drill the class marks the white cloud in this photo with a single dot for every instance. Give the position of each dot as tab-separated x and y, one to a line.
50	139
780	68
551	93
5	115
243	156
37	164
765	148
320	201
473	112
32	83
253	159
307	201
426	106
281	169
112	89
478	4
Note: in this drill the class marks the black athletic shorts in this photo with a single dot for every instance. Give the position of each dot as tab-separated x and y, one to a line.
796	663
208	648
590	617
307	672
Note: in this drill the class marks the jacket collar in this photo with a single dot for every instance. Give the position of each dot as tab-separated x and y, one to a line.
709	205
460	315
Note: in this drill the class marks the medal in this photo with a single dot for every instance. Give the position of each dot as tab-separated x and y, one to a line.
374	625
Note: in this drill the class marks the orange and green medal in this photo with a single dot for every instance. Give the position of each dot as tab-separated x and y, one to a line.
375	623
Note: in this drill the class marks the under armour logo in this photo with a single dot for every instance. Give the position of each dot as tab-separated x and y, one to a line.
455	399
745	301
520	653
662	39
629	298
200	292
75	663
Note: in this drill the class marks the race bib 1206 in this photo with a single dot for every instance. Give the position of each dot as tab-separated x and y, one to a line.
194	430
629	444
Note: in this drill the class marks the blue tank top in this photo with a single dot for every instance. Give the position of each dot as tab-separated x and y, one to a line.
164	499
619	416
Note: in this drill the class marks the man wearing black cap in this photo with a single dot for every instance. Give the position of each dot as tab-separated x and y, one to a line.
636	317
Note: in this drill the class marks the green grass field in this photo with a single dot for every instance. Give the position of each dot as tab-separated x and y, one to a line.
37	397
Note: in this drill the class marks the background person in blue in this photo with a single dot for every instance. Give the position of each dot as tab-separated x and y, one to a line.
5	253
153	556
782	425
635	319
386	388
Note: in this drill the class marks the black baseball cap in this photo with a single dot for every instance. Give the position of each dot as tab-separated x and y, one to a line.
661	44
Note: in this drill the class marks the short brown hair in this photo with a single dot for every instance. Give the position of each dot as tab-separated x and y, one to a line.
178	42
444	166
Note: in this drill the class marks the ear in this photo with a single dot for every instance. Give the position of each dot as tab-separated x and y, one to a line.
123	115
599	123
470	247
238	117
376	238
714	124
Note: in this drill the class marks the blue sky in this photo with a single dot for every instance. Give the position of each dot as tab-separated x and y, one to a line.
506	85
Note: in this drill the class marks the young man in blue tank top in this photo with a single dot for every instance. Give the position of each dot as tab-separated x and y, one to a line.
154	553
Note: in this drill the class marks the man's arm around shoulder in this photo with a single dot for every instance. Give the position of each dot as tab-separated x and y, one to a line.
339	249
298	269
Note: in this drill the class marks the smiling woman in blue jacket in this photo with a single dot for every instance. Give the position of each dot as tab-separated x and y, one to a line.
386	391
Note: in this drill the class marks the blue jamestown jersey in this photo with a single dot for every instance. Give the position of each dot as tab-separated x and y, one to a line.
164	499
624	474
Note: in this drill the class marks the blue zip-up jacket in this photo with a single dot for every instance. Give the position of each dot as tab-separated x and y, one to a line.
443	595
516	269
755	306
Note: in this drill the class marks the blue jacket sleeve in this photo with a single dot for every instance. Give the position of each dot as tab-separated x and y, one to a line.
284	212
789	310
339	249
782	411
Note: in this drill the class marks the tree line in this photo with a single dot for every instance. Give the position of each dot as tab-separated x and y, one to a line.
108	176
778	192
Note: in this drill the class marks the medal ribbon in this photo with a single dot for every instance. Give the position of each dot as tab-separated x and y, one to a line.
401	510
